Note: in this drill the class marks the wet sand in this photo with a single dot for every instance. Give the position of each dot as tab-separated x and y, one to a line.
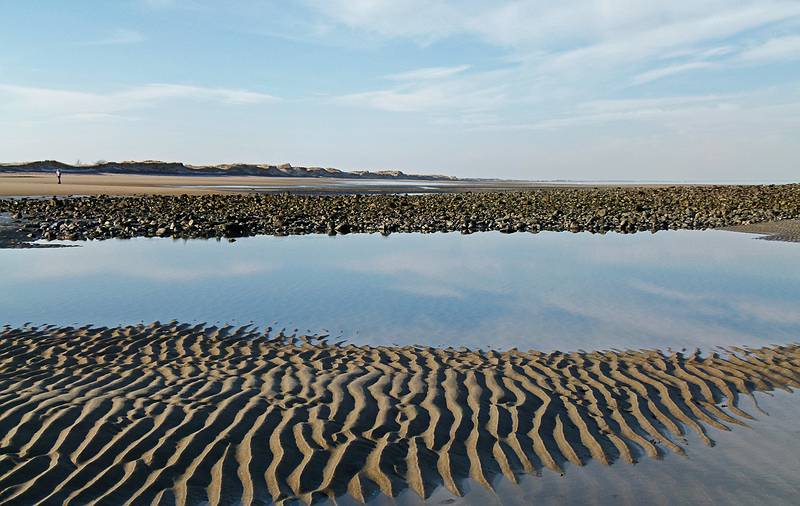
783	230
188	414
104	184
37	184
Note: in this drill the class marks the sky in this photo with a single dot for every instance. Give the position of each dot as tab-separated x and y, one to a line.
525	89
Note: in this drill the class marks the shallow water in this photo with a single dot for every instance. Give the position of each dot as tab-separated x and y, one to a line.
549	291
746	466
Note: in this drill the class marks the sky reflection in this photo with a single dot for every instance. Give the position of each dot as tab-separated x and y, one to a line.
546	291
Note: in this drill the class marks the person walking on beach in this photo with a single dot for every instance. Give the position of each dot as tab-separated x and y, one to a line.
58	175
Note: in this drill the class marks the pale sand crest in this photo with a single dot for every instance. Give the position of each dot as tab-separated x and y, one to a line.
186	414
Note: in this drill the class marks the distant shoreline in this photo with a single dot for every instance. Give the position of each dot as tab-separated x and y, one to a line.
159	168
270	171
40	183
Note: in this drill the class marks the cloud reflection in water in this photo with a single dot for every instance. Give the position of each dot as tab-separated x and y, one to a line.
546	291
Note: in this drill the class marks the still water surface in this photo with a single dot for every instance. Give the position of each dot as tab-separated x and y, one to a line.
546	291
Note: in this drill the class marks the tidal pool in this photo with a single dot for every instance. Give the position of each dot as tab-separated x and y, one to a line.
549	291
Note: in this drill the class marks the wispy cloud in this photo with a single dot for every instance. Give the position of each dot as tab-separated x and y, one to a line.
781	48
427	73
90	105
153	92
458	95
636	46
560	54
629	105
660	73
548	26
597	112
119	36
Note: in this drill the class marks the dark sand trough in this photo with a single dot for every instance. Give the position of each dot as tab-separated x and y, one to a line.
186	414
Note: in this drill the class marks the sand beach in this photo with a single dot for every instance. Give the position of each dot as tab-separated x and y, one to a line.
165	413
33	184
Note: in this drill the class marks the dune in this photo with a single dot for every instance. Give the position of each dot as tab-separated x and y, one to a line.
196	414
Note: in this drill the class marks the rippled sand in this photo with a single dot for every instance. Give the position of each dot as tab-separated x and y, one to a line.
176	413
783	230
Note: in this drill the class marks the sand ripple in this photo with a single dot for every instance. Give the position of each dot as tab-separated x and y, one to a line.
187	414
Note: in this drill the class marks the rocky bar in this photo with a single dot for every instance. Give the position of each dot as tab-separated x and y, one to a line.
596	210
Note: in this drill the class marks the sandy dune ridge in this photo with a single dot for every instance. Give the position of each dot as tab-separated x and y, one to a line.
175	413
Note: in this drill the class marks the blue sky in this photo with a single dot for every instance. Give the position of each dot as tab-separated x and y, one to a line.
701	89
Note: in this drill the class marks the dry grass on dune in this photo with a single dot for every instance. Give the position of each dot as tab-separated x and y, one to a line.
188	414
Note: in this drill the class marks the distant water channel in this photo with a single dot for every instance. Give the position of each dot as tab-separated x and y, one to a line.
549	291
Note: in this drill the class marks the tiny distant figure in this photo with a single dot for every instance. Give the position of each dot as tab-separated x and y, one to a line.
58	175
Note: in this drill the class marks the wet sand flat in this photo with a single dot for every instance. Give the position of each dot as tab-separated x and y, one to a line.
104	184
181	413
783	230
38	184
